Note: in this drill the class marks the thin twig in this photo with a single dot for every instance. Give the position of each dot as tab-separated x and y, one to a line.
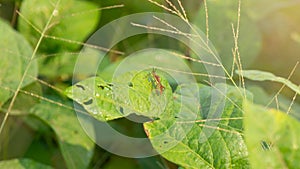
93	10
163	6
183	10
236	47
220	129
189	73
46	84
174	7
84	44
277	103
292	103
206	21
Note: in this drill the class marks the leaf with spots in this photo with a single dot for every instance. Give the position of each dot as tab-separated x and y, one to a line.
130	93
96	96
272	138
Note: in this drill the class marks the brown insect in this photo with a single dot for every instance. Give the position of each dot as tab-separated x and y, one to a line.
156	81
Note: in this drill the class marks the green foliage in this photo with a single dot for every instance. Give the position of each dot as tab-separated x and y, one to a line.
96	96
38	55
273	141
187	149
64	25
138	93
203	156
76	146
151	94
72	22
16	54
22	164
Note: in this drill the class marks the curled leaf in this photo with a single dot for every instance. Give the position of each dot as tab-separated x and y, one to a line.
267	76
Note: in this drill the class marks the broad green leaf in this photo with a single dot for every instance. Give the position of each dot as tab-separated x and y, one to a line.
121	93
222	14
22	164
15	56
264	76
72	21
76	146
150	94
272	138
96	96
130	93
186	143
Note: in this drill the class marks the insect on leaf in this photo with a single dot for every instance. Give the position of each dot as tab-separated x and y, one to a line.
272	138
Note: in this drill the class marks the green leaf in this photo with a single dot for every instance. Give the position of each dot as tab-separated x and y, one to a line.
264	76
129	93
76	146
72	20
150	94
178	137
222	14
15	56
22	164
96	96
272	138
